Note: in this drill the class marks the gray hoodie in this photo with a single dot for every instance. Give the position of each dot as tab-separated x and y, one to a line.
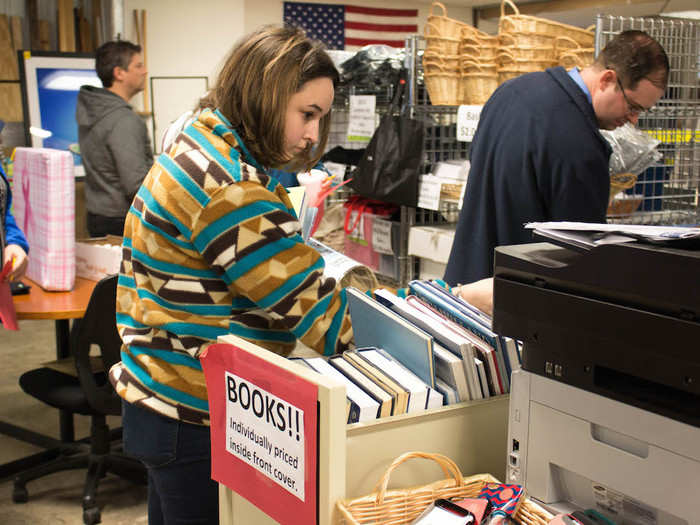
115	150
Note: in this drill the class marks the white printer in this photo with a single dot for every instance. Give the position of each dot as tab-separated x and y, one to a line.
573	449
606	411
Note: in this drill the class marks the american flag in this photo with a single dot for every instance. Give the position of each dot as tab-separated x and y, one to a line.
350	27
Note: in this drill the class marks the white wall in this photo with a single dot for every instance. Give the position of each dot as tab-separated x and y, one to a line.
186	38
183	38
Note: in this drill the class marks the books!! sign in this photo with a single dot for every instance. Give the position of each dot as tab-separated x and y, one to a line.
263	432
266	432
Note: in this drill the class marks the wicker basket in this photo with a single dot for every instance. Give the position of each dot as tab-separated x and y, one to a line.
431	69
518	39
469	65
624	206
564	44
506	74
541	26
480	52
442	87
441	66
620	182
446	62
442	25
473	36
477	87
400	506
525	65
545	53
444	45
578	58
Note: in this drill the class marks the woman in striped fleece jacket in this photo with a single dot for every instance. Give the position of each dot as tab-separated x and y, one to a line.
212	246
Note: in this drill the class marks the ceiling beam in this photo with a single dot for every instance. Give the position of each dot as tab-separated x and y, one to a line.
534	8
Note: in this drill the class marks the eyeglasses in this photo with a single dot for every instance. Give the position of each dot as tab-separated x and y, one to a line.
632	107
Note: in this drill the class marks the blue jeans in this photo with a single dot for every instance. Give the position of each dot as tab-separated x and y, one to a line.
178	458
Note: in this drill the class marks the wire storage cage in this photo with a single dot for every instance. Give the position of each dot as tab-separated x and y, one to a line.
668	191
391	270
440	144
340	118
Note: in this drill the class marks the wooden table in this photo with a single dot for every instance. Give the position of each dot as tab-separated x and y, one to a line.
60	307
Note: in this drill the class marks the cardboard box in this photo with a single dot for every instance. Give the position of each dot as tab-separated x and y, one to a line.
98	257
432	244
429	269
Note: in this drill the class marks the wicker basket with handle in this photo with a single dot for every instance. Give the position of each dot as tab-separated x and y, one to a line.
529	53
445	45
541	26
400	506
519	39
468	65
579	58
508	61
442	25
442	86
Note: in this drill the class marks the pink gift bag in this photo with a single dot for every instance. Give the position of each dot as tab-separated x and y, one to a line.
43	200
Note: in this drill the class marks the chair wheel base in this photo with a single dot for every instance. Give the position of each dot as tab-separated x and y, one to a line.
20	494
91	516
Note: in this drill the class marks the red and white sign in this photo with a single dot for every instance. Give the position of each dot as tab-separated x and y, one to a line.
263	433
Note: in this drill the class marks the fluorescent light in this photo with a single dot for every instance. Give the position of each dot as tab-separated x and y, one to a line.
70	80
40	133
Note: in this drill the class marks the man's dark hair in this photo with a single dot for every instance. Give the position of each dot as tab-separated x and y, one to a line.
634	55
109	55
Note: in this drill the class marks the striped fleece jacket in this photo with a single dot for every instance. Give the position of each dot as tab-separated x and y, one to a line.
212	246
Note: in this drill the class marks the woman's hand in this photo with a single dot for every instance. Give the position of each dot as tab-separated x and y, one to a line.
19	258
479	294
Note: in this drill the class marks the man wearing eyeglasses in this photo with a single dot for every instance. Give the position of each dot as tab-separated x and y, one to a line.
538	155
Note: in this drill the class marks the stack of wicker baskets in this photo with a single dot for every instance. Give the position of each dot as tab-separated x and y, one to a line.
441	67
478	67
527	43
571	53
459	61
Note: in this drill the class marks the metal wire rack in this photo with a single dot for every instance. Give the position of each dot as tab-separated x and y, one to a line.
667	192
440	140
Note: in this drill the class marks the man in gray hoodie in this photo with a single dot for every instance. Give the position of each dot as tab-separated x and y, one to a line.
114	143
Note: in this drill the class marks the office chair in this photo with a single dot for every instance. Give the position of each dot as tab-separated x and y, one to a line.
89	394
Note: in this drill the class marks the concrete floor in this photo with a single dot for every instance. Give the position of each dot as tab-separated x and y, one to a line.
54	499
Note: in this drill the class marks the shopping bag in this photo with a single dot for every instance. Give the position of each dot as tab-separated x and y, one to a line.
388	170
360	213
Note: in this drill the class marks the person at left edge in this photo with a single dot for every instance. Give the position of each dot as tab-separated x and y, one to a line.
212	246
13	244
114	143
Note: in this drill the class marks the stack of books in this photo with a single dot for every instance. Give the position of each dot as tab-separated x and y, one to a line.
427	350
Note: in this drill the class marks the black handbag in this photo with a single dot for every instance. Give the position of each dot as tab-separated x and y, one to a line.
388	170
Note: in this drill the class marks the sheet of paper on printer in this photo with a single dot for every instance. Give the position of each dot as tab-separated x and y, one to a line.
595	234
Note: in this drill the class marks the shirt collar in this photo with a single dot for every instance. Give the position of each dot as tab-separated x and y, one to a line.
220	126
575	75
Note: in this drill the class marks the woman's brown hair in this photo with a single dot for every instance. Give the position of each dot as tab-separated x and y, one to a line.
256	83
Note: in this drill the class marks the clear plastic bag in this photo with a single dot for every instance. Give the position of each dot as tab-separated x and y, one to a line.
373	66
633	150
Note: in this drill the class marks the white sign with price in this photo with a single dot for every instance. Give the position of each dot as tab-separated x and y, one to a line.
467	120
362	118
381	236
